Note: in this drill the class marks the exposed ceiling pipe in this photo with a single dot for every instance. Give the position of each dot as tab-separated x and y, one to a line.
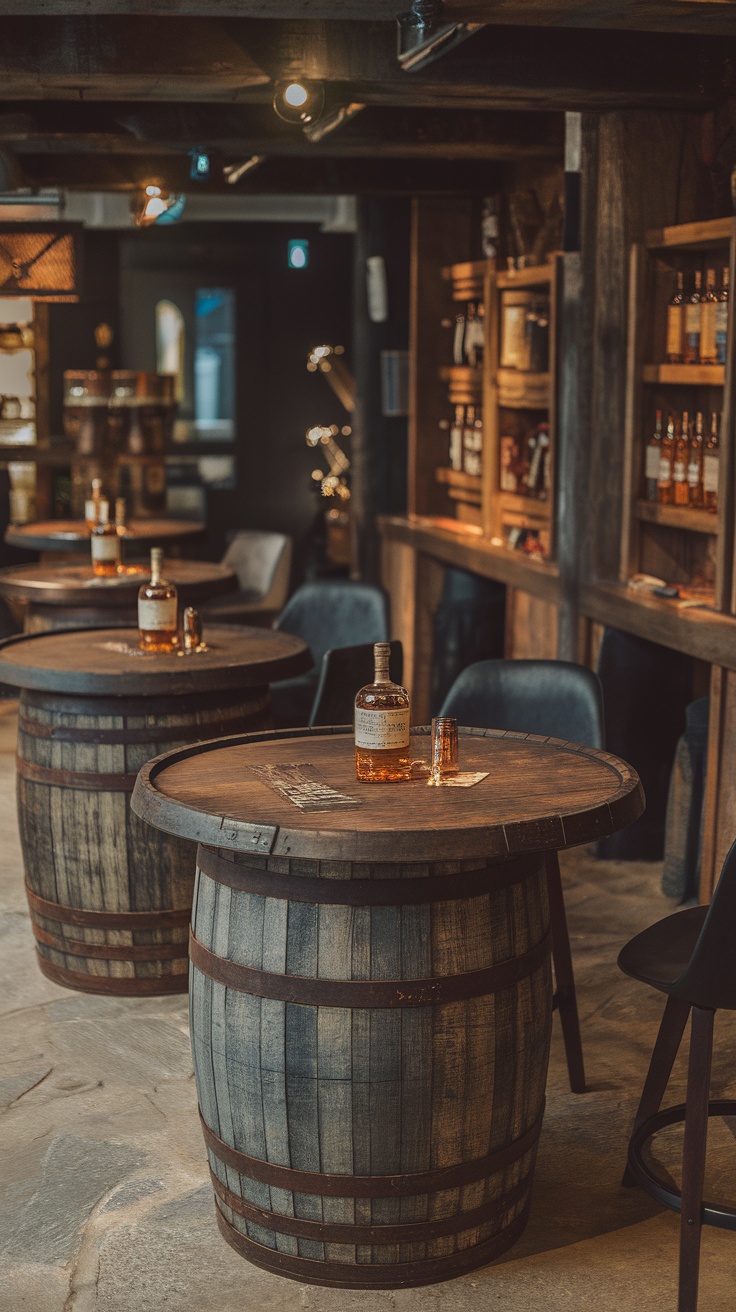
329	122
424	37
234	172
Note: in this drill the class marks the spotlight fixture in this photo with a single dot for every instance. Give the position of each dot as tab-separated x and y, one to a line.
299	102
199	165
424	37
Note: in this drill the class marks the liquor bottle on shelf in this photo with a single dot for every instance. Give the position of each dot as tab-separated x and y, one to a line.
710	465
679	464
458	339
708	309
157	610
120	516
382	717
722	319
676	321
691	339
456	439
665	487
92	504
475	335
472	441
104	543
651	463
478	443
695	463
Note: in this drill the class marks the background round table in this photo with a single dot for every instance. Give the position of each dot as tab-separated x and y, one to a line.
370	993
110	900
73	534
67	595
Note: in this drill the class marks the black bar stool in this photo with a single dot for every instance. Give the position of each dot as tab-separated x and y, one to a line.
691	958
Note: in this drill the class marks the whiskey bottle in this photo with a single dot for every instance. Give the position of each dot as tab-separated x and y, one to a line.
651	464
691	342
120	516
382	715
92	504
157	610
695	463
722	319
708	309
665	487
104	543
680	462
710	466
456	440
675	322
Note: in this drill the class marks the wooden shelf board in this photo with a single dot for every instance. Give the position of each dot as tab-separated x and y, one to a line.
465	546
470	269
712	232
456	478
694	521
706	634
535	276
531	507
704	375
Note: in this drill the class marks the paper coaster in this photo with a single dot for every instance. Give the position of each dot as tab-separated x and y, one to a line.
464	779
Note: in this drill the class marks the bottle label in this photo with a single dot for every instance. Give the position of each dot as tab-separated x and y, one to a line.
679	471
90	511
721	331
692	320
157	615
652	465
456	448
105	547
381	730
674	330
693	473
708	332
665	469
710	474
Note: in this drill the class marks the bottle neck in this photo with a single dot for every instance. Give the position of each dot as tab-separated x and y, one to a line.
381	674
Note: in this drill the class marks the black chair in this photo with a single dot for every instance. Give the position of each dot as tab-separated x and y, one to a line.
557	700
328	613
690	957
344	671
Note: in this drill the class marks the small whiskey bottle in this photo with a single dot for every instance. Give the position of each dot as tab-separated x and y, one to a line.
104	543
92	504
708	310
691	344
665	487
675	322
722	319
651	465
382	714
157	610
710	466
695	463
680	462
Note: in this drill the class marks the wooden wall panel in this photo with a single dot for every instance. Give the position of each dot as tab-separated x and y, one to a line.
531	627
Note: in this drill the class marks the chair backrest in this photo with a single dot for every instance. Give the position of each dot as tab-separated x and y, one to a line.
333	613
262	562
709	979
552	698
345	670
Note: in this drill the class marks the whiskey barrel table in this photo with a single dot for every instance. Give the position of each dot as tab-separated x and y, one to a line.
73	534
110	900
370	994
67	595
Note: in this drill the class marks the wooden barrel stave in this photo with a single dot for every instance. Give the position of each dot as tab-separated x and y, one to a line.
84	848
317	1088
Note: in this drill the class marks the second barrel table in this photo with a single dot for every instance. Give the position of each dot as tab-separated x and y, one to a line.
70	596
73	534
110	898
370	991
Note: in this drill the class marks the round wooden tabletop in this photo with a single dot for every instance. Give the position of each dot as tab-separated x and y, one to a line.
73	534
109	661
69	584
539	794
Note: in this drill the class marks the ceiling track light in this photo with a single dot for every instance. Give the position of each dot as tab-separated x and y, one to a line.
234	172
424	37
299	102
314	132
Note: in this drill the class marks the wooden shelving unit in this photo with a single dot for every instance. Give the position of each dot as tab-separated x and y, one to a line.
681	544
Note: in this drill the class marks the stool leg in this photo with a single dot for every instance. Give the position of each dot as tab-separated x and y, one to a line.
567	1003
666	1048
693	1156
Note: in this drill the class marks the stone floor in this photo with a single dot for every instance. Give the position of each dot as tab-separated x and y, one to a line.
104	1199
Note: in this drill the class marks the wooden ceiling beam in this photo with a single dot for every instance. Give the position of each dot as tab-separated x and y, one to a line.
110	58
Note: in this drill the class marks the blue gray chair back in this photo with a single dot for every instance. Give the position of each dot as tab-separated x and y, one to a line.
333	613
553	698
344	671
709	979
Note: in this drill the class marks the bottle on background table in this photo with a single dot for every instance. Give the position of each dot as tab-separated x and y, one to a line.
158	615
382	716
104	543
92	504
